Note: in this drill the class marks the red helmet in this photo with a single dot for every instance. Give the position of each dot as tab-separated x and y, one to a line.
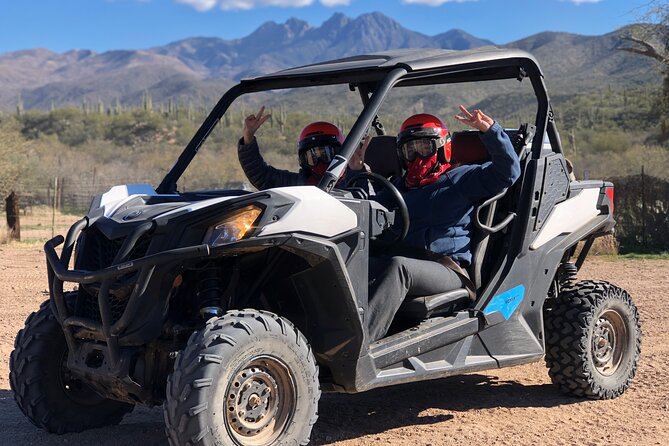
424	126
325	138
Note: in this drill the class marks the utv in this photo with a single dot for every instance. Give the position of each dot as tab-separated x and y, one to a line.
236	309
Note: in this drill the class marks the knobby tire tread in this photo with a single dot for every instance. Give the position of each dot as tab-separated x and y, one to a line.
205	351
568	322
32	347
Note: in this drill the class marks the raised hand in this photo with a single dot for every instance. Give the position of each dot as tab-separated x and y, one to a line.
478	119
252	123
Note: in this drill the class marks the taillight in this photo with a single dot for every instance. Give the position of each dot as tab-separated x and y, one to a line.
609	193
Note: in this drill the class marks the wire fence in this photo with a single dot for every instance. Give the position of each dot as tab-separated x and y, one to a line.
49	207
642	213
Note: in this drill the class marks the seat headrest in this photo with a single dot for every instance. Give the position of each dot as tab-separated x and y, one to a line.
381	156
467	148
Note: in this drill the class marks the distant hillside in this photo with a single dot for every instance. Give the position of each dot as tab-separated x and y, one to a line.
578	63
198	70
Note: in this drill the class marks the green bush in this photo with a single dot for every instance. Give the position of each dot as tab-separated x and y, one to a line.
72	126
133	128
13	157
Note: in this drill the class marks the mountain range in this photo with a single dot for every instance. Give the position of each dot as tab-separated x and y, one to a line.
200	69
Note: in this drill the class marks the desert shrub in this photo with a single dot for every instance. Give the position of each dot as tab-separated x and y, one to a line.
71	126
606	141
627	160
133	128
12	157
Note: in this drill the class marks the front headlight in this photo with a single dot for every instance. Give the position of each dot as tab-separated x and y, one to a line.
233	227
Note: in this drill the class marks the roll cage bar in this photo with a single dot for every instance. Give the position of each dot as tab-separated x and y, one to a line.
374	82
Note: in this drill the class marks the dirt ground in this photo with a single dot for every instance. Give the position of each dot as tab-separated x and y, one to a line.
515	406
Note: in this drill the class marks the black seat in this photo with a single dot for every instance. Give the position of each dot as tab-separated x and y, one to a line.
381	156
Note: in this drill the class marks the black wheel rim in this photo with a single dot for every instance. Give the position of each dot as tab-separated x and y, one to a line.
260	401
609	341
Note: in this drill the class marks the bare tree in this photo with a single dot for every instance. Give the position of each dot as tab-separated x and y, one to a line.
651	39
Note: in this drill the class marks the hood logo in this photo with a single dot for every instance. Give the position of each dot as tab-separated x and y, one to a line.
132	215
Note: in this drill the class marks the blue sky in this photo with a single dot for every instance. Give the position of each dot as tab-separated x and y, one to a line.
101	25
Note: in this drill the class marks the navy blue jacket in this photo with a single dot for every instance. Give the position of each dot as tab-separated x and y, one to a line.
441	212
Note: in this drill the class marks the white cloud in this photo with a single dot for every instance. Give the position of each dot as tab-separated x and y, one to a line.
200	5
206	5
580	2
434	2
331	3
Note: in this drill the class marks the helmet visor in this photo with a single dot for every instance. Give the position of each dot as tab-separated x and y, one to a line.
421	147
316	154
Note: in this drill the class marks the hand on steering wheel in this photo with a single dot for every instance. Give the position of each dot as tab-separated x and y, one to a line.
401	206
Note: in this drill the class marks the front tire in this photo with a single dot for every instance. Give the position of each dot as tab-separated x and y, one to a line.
248	378
45	391
593	340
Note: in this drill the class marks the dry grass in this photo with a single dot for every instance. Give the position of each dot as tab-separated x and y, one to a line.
607	245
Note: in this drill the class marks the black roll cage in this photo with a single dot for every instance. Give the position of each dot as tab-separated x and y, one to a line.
377	82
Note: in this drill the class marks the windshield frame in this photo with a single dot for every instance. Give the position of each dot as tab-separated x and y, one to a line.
378	81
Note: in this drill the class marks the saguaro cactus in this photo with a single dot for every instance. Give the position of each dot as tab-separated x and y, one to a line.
281	118
147	101
19	106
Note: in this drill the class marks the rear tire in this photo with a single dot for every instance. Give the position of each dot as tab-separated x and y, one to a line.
593	340
248	378
43	388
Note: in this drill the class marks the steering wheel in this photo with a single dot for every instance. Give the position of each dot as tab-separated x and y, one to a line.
396	196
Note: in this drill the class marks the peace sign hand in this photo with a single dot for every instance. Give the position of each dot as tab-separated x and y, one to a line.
478	119
252	123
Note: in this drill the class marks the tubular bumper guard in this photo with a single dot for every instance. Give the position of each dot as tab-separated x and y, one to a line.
58	273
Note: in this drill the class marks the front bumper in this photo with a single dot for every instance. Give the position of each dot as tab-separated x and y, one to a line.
106	330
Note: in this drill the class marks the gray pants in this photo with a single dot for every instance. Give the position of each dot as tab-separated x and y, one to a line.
394	278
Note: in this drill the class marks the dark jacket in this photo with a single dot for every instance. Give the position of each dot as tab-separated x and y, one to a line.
441	212
262	175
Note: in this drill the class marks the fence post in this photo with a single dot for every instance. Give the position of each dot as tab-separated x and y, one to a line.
53	206
643	208
13	220
60	194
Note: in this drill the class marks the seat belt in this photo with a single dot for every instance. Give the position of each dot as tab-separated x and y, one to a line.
449	263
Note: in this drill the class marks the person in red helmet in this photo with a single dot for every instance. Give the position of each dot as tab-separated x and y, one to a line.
424	146
317	145
440	198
